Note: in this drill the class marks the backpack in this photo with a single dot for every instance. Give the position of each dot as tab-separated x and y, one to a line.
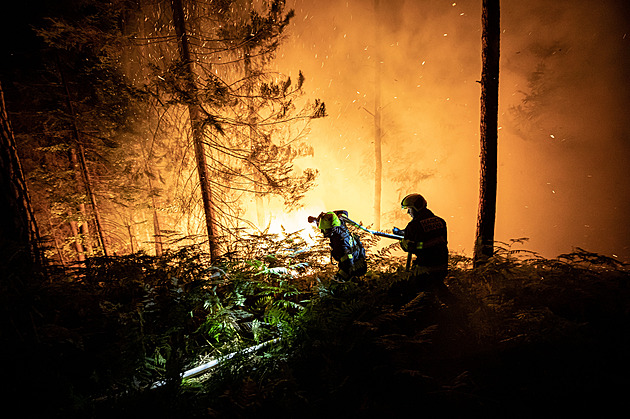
358	251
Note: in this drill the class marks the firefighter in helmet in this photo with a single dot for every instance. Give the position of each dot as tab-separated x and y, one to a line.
345	247
425	237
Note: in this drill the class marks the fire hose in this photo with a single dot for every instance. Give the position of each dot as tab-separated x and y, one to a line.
344	216
205	368
375	232
382	234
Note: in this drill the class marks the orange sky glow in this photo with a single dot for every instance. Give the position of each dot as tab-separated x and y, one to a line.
563	140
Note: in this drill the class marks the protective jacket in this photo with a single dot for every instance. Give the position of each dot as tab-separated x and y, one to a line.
425	236
347	250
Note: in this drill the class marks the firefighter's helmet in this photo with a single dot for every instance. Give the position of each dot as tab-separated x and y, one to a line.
415	201
328	220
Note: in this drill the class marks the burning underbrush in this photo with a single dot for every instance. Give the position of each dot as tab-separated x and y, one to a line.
116	336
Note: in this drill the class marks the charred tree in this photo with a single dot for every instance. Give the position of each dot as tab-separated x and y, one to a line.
484	238
196	115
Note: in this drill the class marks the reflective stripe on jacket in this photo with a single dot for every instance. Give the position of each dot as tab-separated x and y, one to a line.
346	248
426	237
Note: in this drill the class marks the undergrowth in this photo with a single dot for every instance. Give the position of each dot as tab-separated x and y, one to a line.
116	334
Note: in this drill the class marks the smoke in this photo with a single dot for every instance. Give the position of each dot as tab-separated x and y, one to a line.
564	93
564	137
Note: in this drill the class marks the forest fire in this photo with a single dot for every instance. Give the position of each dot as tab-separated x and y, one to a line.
427	115
225	207
430	110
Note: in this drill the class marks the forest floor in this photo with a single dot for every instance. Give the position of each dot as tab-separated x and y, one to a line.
545	338
549	351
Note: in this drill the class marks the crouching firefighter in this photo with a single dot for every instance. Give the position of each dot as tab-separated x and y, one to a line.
345	247
425	237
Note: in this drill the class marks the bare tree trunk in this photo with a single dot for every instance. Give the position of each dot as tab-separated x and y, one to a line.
83	240
21	258
130	234
252	121
484	240
157	232
79	156
78	244
195	113
88	188
62	260
378	161
19	234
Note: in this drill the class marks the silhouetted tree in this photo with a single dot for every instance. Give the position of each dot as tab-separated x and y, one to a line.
19	234
484	239
244	112
378	161
83	110
106	124
197	121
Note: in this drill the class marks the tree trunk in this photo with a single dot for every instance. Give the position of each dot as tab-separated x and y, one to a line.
21	259
62	259
157	234
82	238
19	235
195	113
252	122
79	156
157	231
90	193
130	234
484	240
78	244
378	160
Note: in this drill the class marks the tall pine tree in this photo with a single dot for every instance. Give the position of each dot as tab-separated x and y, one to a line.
240	116
484	239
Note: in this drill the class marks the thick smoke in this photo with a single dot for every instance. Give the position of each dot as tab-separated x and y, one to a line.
564	136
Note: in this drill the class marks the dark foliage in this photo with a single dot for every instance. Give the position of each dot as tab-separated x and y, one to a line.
523	331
